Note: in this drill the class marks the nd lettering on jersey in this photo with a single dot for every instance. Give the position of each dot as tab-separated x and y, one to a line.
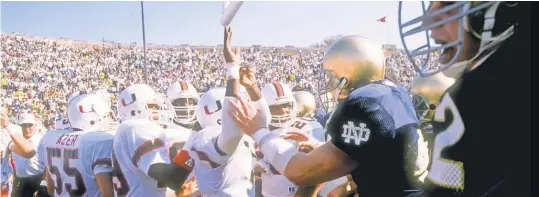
445	172
358	133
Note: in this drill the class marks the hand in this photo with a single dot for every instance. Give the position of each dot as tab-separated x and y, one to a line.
247	77
338	192
247	117
230	56
188	188
306	143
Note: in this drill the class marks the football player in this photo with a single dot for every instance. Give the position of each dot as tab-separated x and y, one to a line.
78	159
223	156
184	98
218	173
283	108
140	157
177	135
481	143
6	169
373	129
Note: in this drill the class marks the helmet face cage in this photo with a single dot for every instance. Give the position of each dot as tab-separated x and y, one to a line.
160	110
331	84
185	114
284	120
327	101
421	106
140	105
427	49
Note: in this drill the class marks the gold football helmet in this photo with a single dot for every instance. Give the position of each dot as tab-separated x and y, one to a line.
426	93
352	62
306	104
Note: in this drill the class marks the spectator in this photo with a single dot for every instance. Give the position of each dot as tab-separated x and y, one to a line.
39	73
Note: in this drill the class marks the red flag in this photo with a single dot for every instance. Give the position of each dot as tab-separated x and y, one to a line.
383	19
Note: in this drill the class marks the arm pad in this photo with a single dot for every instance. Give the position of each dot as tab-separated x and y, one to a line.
276	150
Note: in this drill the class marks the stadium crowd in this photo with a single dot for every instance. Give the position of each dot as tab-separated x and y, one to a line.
39	73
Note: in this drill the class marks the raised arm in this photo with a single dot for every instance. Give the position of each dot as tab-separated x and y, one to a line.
231	133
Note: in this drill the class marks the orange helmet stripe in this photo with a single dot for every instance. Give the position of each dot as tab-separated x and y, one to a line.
183	85
278	88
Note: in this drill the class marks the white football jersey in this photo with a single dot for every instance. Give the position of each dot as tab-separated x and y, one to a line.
176	139
310	126
274	184
73	158
217	173
138	144
5	165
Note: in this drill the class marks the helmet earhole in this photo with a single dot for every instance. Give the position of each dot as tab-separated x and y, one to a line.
432	106
133	113
92	122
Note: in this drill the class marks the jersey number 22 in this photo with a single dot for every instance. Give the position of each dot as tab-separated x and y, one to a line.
444	172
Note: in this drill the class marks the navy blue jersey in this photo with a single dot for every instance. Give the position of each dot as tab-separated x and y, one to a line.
376	126
482	125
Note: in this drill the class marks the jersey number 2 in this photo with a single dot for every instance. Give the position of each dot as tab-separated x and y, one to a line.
445	172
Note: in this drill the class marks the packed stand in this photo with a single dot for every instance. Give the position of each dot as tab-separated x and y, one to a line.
39	73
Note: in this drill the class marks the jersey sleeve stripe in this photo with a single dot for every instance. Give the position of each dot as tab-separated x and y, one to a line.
102	161
217	149
146	147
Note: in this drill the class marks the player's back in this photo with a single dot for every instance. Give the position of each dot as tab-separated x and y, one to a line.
219	174
74	158
481	149
137	145
376	125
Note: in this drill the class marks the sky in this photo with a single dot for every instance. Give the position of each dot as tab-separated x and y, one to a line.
266	23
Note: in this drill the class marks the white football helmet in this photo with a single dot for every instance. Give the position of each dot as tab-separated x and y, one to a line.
88	112
184	98
61	122
104	93
75	94
277	93
140	101
306	103
208	112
